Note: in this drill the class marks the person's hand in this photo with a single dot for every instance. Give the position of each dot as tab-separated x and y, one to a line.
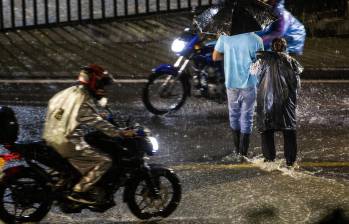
128	134
255	68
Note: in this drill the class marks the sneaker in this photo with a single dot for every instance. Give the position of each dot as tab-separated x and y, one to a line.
244	159
102	207
82	197
71	207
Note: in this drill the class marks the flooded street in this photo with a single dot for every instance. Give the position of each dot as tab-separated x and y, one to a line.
130	38
193	142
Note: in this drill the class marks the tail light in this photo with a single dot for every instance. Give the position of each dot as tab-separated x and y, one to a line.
10	162
11	156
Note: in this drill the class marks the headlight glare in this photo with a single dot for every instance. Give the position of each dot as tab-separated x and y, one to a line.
178	45
154	143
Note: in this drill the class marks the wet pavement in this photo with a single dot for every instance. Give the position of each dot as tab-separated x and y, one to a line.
194	140
130	48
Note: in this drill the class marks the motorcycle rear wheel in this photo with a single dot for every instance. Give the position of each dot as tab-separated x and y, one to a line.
24	197
144	206
164	93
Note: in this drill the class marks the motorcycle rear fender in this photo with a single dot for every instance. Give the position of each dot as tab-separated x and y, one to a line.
141	173
36	170
11	171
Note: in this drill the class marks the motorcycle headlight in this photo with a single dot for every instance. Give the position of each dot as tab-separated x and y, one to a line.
178	45
154	143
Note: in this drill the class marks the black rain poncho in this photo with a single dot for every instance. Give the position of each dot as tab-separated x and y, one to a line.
278	75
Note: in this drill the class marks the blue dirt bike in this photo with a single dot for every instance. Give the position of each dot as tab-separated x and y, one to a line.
194	72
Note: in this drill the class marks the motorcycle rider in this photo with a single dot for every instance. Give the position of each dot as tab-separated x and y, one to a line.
287	26
71	113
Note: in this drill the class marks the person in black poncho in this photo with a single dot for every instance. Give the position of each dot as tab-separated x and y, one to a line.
278	86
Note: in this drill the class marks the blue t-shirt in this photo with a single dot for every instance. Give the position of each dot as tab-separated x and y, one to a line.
239	52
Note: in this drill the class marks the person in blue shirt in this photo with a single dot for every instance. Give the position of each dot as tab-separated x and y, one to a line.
287	27
238	52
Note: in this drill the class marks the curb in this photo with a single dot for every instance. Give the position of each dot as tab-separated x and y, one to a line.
310	73
326	73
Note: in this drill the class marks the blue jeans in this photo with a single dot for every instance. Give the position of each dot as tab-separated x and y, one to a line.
241	103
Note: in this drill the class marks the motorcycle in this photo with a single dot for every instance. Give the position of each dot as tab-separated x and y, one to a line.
41	177
169	85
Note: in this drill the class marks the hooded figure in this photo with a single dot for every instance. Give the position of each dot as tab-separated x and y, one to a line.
287	26
277	91
279	81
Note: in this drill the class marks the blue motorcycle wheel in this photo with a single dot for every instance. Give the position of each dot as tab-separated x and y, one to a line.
164	93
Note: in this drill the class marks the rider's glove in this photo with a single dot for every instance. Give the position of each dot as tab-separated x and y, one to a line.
110	118
128	134
140	132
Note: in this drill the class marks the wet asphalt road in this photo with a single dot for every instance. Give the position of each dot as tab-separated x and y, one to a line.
195	139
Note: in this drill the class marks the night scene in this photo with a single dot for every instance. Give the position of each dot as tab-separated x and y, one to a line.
174	111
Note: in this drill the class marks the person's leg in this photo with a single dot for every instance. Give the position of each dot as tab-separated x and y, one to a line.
234	105
92	164
268	145
246	119
290	146
236	140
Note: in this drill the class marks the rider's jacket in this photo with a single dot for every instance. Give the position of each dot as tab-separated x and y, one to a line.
70	115
288	27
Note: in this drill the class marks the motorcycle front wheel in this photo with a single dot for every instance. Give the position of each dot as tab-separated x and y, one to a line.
164	93
24	197
144	205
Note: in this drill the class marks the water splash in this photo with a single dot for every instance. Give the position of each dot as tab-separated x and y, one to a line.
280	165
294	172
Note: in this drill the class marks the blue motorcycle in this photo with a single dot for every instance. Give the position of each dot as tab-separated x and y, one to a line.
194	73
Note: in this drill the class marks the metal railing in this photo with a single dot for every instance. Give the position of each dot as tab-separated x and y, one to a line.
16	14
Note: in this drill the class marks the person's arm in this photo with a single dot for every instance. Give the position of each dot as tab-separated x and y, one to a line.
87	115
217	56
277	29
298	69
218	50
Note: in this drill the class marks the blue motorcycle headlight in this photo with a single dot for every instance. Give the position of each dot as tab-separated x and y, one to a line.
154	143
178	45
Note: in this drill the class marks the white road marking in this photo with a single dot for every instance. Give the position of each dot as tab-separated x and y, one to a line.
205	166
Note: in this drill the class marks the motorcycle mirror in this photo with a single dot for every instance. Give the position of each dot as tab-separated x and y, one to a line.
194	11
